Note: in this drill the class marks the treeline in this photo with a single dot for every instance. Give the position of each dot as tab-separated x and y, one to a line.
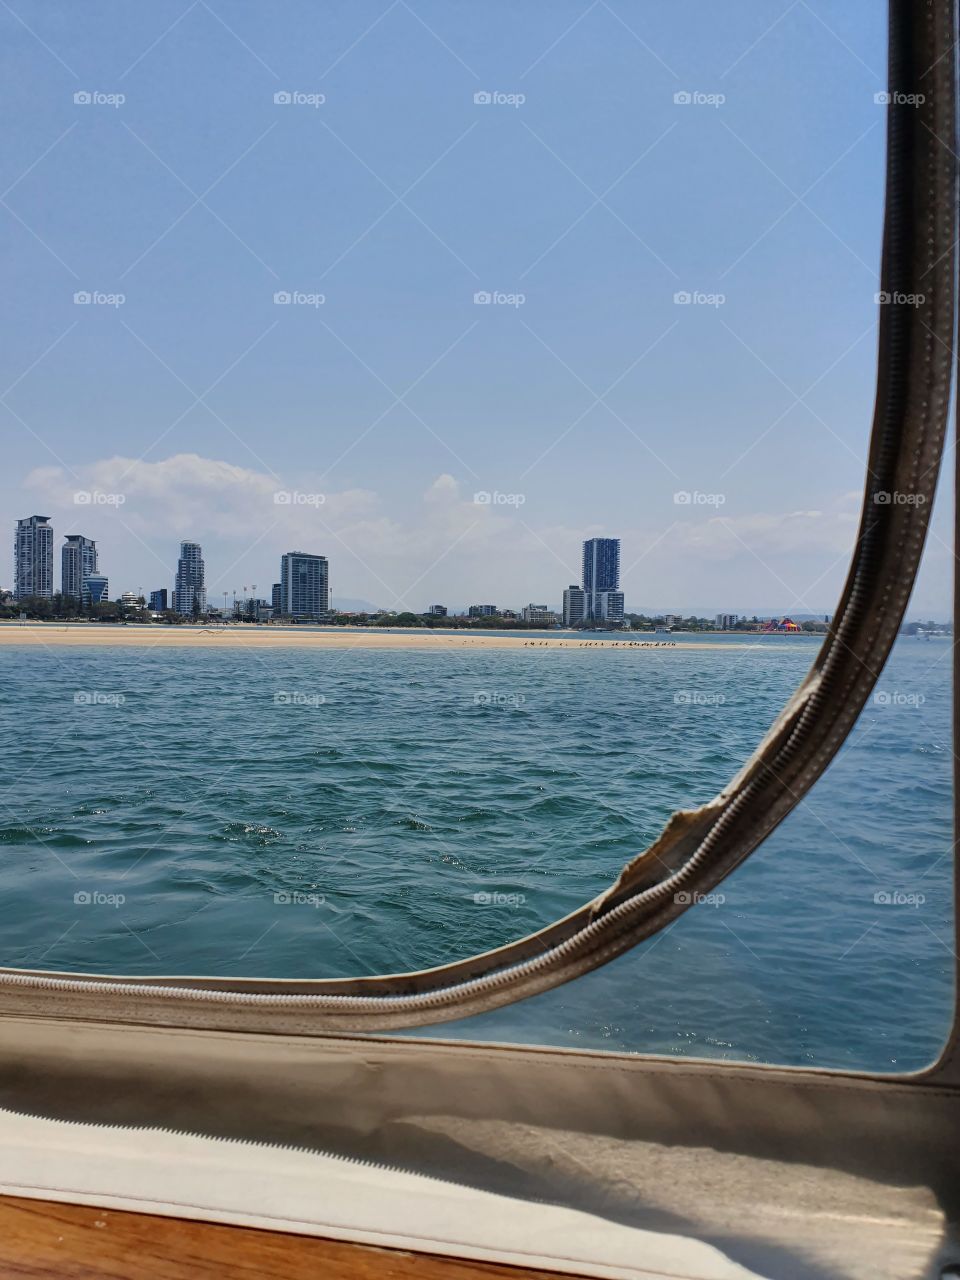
493	623
61	608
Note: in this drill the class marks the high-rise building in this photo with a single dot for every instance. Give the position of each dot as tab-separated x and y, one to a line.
437	611
482	611
189	591
601	573
78	560
726	621
276	600
96	589
574	605
304	585
608	606
33	558
158	600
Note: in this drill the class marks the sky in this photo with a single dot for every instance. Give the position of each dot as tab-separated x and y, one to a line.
287	219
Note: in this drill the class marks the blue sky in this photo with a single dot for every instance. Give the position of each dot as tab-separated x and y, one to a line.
597	198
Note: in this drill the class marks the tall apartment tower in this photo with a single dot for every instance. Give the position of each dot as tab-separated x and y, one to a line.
78	561
33	558
304	586
189	591
574	599
601	579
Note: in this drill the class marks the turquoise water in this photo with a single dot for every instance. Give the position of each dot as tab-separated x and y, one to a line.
291	813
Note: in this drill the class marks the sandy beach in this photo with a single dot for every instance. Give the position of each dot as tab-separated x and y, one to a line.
59	635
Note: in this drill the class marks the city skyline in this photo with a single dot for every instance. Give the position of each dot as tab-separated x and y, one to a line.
303	591
591	313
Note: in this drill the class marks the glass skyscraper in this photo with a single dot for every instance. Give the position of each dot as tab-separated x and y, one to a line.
78	561
33	558
603	599
190	592
304	585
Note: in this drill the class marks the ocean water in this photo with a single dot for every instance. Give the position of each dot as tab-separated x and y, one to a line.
288	813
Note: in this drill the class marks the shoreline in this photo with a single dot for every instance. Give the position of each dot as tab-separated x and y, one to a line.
137	635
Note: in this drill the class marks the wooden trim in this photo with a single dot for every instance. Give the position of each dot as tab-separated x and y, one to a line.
44	1239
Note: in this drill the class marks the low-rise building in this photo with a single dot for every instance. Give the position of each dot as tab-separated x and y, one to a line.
539	615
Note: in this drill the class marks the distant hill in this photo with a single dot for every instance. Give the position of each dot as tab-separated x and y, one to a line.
346	604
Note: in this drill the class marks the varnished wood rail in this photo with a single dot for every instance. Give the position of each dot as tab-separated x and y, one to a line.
44	1239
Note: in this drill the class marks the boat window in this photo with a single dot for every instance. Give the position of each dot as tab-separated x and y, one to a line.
435	448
